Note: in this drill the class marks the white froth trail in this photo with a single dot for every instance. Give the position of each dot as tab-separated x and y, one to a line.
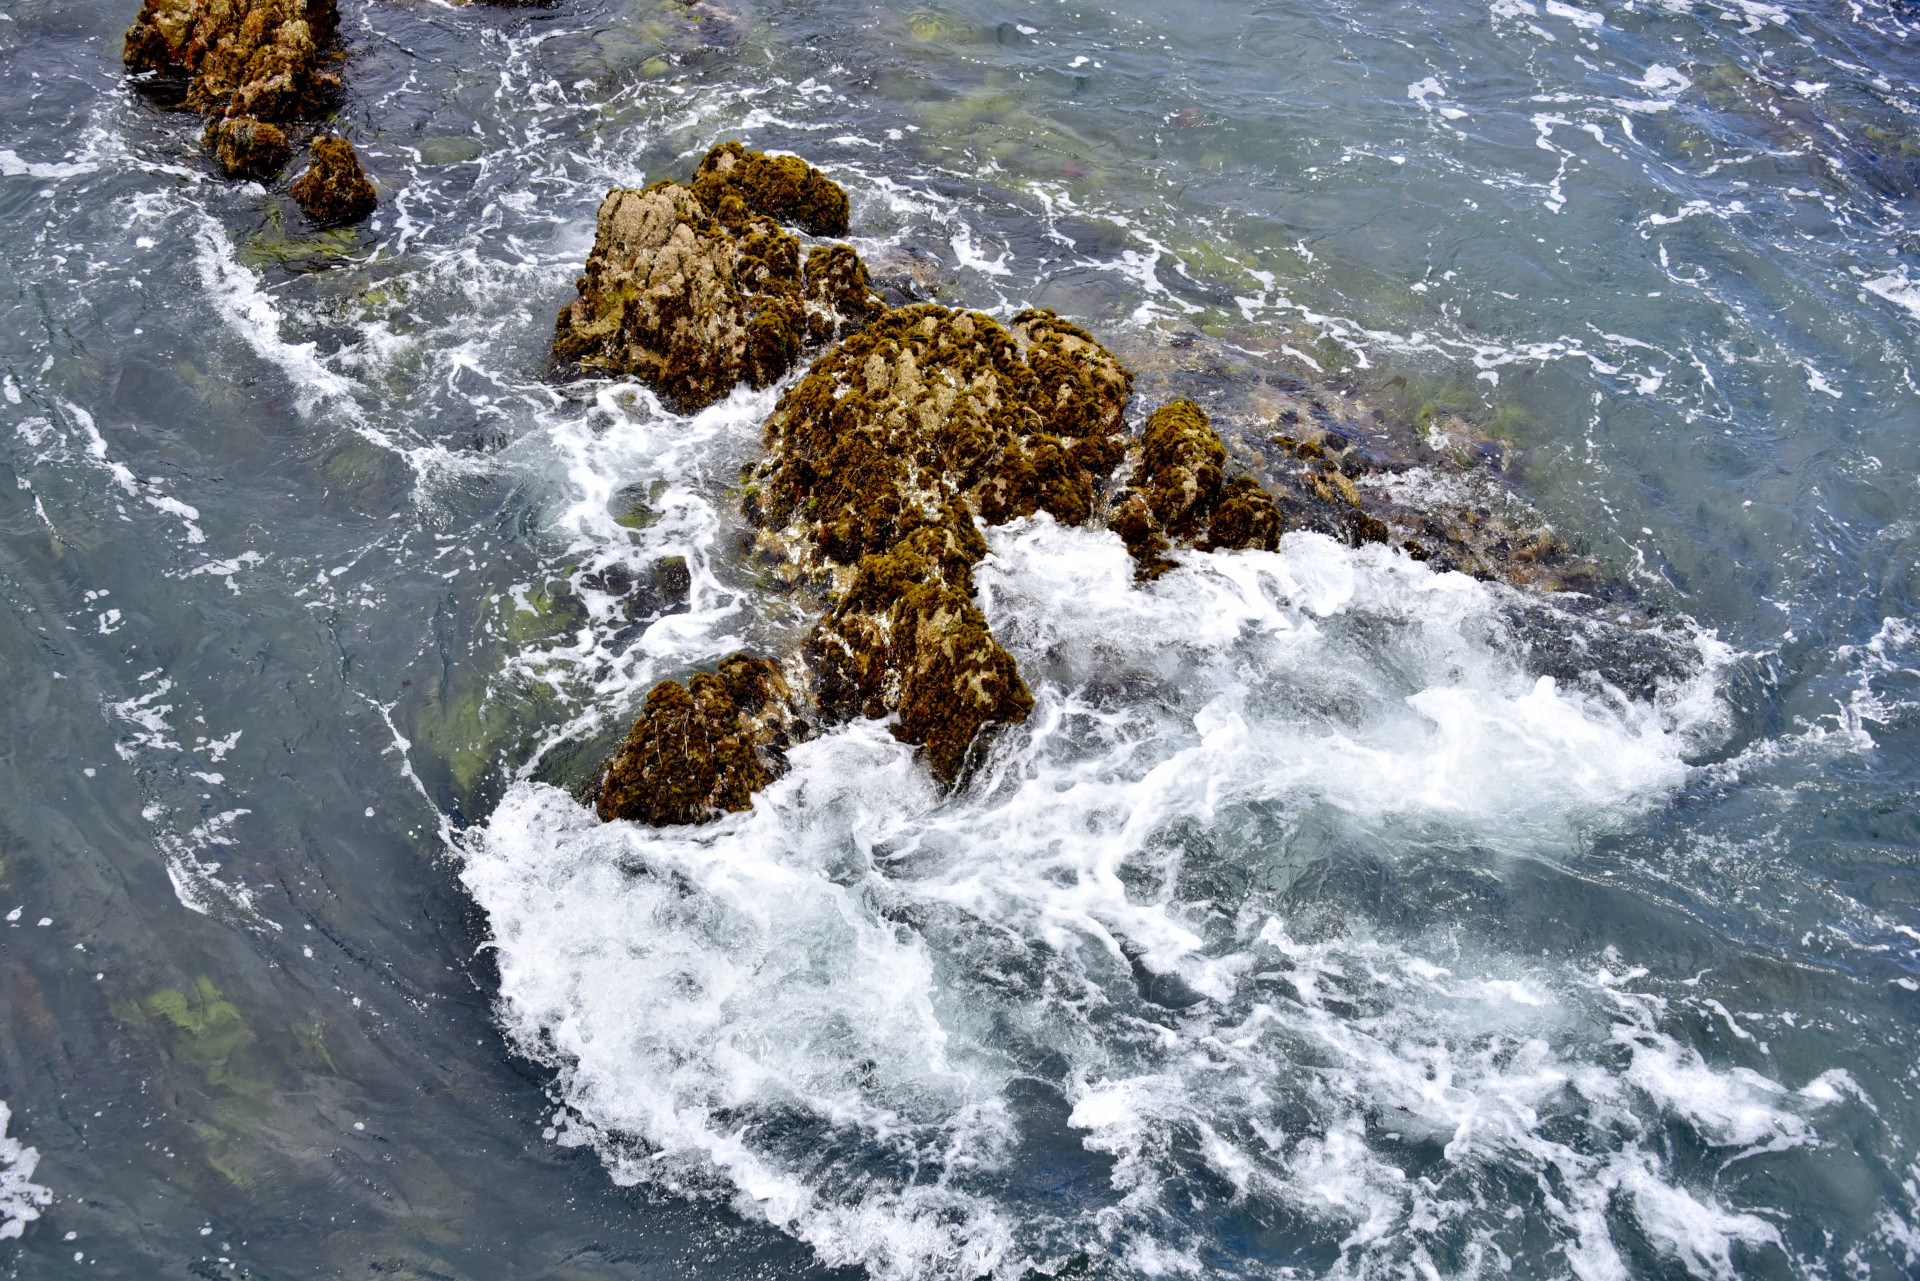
21	1199
836	1009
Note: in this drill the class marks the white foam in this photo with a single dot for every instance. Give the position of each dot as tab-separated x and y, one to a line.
21	1199
824	1008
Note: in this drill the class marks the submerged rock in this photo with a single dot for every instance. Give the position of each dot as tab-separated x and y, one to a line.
334	189
702	749
693	298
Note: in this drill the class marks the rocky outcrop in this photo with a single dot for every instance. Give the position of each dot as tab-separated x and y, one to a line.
334	189
783	188
702	749
882	459
694	291
913	430
251	65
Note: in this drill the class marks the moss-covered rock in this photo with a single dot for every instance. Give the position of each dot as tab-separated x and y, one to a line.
694	301
248	148
1179	493
260	58
906	638
882	459
784	188
702	749
334	190
927	406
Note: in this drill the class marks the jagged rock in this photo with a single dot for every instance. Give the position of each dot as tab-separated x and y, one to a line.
694	301
882	457
783	188
927	405
702	749
907	638
259	58
1179	492
248	148
334	189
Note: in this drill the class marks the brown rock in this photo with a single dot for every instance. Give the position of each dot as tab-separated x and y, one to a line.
693	302
334	189
701	749
248	148
260	58
883	456
783	188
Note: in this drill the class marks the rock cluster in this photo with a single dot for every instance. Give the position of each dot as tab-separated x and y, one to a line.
695	290
913	429
255	68
1179	492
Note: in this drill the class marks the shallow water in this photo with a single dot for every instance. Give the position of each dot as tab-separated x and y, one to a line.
1329	917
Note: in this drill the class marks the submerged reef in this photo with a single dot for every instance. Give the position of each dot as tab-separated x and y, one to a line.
695	290
253	67
917	426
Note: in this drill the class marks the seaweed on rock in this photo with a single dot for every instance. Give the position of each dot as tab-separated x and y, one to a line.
783	188
334	189
253	66
694	298
702	749
1179	493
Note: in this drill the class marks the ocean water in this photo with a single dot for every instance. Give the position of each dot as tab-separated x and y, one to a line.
1330	916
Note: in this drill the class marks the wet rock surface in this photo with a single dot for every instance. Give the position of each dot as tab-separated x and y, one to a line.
700	750
334	190
248	148
694	296
783	188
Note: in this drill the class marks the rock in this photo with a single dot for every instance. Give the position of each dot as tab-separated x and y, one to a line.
882	458
1179	493
693	302
258	58
701	750
248	148
334	189
929	405
906	638
783	188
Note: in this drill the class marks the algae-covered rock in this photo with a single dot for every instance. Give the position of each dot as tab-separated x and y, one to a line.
1179	493
693	302
783	188
926	406
907	638
883	457
702	749
259	58
334	190
248	148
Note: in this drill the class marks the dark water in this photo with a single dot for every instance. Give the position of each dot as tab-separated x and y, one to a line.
1303	931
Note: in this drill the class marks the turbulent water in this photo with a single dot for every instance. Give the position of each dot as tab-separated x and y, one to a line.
1330	916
